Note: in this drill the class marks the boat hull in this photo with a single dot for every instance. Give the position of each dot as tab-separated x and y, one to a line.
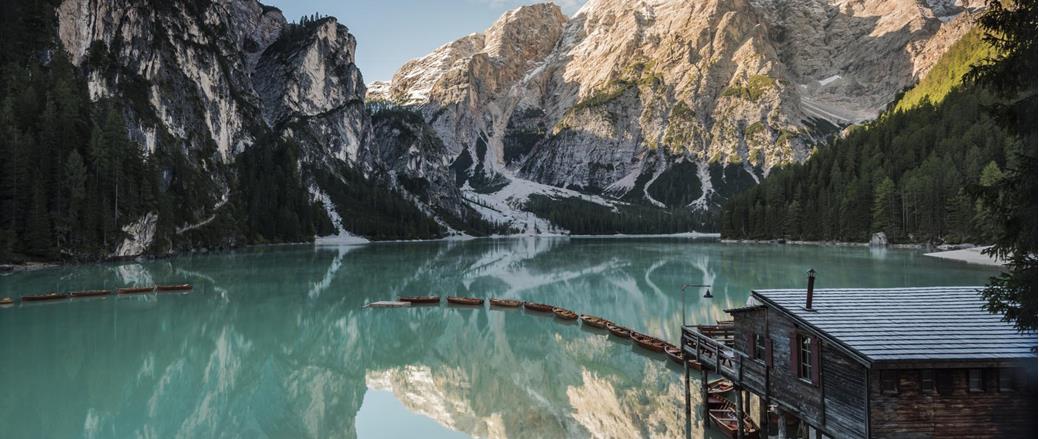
506	303
619	331
468	301
593	321
87	294
564	314
726	420
128	291
182	287
646	342
537	307
420	299
45	297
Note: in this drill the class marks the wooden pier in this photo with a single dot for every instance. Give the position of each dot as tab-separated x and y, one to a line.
711	347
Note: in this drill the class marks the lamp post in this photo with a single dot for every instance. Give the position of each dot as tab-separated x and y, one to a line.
685	363
706	295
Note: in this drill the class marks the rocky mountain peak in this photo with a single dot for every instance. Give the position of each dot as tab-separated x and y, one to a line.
230	61
629	92
524	34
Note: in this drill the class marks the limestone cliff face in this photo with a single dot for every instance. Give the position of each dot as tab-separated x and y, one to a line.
210	79
627	93
462	86
220	72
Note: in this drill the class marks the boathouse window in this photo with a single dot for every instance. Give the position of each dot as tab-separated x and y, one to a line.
759	347
944	381
805	359
975	380
927	381
1006	380
889	382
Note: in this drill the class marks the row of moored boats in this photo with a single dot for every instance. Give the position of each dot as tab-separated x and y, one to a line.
85	294
645	341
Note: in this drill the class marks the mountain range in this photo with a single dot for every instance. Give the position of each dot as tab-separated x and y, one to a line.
671	104
629	116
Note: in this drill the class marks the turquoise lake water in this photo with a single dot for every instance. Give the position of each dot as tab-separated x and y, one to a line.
274	342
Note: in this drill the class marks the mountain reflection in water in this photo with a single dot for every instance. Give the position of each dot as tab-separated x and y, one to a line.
274	342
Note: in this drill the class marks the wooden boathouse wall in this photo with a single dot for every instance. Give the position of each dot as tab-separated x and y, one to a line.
952	410
835	402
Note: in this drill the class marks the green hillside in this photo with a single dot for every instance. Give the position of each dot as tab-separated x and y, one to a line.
905	174
949	71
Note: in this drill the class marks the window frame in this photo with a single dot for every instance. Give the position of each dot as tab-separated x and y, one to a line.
889	378
805	361
759	347
928	382
1006	381
973	373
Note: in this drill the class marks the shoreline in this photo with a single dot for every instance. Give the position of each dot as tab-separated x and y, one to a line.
968	256
916	246
964	253
338	241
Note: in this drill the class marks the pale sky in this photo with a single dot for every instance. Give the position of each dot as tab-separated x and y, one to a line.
391	32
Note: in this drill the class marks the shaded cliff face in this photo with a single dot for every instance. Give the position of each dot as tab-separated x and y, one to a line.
201	82
220	73
672	103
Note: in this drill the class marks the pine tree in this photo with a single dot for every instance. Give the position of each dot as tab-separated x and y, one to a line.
75	189
885	208
1011	28
39	236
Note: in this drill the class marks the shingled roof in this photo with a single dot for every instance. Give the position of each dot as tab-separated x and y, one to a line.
907	324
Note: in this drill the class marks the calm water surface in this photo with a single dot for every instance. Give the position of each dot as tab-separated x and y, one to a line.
274	342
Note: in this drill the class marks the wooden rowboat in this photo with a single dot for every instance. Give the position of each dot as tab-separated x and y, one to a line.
715	402
674	353
564	313
725	419
45	297
719	386
648	342
593	321
507	303
538	307
90	293
420	299
387	304
181	287
6	302
135	290
471	301
618	330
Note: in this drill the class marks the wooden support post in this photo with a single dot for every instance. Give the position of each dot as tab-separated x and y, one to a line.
688	395
704	399
763	416
741	428
740	425
782	424
703	384
766	401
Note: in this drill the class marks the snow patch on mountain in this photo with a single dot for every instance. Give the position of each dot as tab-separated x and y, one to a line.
342	236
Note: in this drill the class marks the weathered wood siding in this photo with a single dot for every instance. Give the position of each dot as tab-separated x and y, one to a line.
956	413
843	413
845	387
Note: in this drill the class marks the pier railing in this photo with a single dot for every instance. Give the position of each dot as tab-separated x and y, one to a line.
716	356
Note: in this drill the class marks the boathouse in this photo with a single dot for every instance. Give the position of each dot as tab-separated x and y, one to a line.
876	363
